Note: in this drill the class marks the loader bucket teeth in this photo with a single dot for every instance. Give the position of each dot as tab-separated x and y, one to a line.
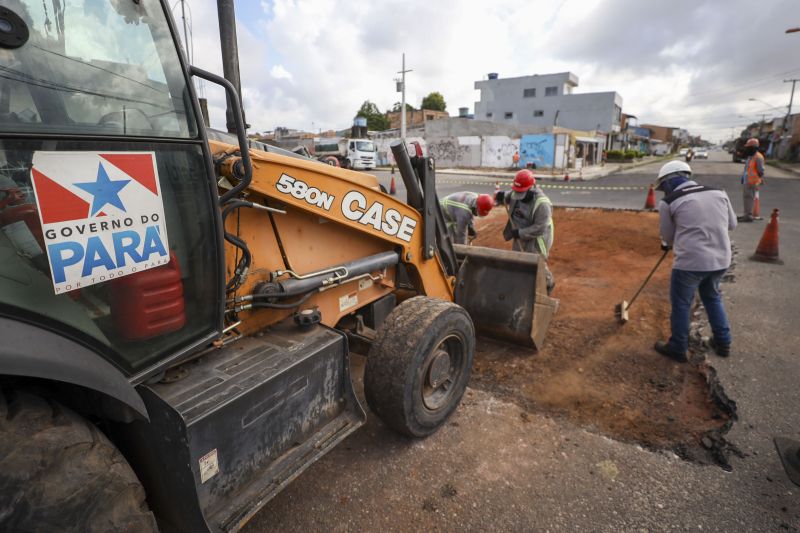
505	294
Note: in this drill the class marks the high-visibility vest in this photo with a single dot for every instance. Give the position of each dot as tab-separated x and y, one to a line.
752	169
540	242
446	202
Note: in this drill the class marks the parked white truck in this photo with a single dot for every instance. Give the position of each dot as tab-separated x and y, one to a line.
358	154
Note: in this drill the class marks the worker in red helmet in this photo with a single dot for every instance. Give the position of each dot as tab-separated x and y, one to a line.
459	210
752	177
530	218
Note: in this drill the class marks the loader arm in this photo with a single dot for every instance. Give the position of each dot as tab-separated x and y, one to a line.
330	213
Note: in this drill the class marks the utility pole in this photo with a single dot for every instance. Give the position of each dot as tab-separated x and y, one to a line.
403	99
791	100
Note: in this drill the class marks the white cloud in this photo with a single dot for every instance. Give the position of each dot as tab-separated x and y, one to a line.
316	61
279	72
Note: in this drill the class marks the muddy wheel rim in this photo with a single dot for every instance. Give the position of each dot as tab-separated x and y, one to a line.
441	369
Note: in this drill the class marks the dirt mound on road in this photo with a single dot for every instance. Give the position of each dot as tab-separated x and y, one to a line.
602	375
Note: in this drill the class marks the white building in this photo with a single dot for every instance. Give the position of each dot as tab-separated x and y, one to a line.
547	100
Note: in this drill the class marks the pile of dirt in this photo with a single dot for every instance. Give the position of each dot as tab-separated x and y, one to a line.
592	370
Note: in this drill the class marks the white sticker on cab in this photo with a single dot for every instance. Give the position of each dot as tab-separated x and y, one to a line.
347	301
209	466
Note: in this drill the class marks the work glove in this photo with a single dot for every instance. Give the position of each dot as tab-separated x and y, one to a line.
472	233
515	233
665	246
499	197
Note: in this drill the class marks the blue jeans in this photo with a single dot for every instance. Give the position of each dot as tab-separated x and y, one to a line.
682	288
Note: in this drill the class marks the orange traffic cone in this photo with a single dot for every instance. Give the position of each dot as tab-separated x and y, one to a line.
650	202
767	250
757	208
392	185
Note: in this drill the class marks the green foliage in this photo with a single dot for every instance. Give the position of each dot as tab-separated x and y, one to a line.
623	155
397	105
376	121
434	101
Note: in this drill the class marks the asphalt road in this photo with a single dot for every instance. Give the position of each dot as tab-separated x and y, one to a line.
495	467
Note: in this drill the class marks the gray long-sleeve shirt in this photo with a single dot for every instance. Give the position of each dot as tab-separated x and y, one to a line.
697	225
458	210
534	223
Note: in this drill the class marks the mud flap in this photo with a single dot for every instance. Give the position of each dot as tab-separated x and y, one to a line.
505	293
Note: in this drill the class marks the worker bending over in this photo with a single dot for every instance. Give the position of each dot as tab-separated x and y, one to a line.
530	218
694	220
459	210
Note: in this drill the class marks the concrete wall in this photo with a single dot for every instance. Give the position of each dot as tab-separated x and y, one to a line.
385	156
455	151
546	147
459	127
586	111
497	151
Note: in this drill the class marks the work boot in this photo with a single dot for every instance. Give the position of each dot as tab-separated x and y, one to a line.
664	349
745	218
722	350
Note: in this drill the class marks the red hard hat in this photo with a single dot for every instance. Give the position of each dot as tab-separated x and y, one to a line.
485	203
523	181
752	142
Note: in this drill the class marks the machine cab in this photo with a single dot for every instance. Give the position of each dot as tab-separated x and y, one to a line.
109	230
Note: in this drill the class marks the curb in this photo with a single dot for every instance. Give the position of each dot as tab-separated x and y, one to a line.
783	167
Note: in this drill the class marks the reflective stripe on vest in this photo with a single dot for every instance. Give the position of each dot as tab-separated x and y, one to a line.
540	242
752	169
453	203
451	222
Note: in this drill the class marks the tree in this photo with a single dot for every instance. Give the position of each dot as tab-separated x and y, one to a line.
398	105
435	102
376	121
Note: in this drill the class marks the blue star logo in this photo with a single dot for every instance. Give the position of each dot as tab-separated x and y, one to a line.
104	191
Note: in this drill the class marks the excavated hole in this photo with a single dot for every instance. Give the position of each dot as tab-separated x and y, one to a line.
600	374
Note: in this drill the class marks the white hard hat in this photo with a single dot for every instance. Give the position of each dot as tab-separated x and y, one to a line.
671	168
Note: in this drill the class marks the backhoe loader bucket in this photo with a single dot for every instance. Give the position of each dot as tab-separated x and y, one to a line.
505	294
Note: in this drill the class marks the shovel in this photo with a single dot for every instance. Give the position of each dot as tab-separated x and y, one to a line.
621	309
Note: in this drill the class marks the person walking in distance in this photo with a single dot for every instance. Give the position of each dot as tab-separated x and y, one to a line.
694	221
459	210
752	177
530	218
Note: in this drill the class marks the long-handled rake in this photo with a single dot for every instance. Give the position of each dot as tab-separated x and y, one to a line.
621	309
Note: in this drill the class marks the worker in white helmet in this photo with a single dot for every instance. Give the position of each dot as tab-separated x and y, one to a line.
694	221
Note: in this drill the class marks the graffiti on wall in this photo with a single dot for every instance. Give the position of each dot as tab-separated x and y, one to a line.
498	151
451	152
537	149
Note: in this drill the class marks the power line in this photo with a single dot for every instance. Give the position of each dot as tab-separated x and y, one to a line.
737	86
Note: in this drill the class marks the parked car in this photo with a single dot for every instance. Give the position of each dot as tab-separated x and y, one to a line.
701	153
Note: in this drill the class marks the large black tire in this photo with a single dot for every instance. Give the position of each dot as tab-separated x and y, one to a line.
419	365
58	472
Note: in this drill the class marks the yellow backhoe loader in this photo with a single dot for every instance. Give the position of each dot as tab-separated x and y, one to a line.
177	305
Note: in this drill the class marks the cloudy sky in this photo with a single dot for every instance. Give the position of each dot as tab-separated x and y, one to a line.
687	63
